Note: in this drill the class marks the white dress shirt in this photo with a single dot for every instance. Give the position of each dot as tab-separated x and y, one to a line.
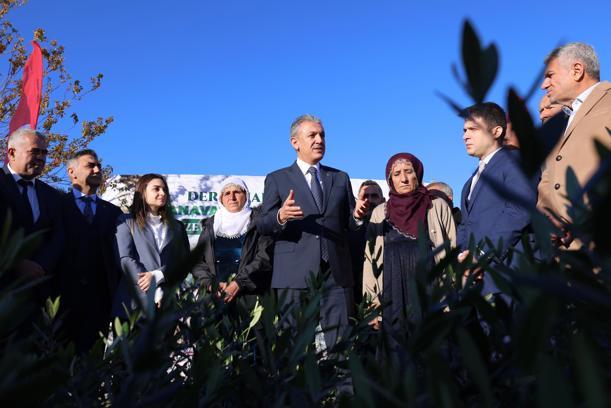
32	197
579	101
304	167
81	204
160	232
477	175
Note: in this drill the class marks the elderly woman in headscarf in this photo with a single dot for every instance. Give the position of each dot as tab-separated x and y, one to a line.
392	251
236	263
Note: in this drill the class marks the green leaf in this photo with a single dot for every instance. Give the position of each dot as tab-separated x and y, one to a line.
312	377
256	314
475	364
589	373
471	51
552	385
118	327
489	67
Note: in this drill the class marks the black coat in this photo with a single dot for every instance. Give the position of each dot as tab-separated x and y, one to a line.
48	252
89	270
255	267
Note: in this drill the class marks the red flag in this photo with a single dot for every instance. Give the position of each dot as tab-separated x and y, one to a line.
31	92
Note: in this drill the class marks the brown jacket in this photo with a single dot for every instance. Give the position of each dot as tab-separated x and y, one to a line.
441	226
576	149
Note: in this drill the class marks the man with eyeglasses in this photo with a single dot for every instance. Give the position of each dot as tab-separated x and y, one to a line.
34	206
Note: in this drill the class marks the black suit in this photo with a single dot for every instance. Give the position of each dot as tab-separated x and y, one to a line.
298	247
52	239
89	272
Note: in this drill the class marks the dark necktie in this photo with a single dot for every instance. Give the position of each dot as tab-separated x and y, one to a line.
318	197
25	184
88	212
315	187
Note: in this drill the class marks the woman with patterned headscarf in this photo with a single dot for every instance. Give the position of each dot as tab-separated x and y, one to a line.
392	251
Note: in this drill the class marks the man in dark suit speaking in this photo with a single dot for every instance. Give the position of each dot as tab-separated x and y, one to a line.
309	209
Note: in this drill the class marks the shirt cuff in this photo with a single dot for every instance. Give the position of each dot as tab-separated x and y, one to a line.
158	275
278	218
357	221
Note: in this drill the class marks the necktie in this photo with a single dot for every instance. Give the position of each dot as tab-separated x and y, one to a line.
318	197
88	212
315	188
25	184
480	169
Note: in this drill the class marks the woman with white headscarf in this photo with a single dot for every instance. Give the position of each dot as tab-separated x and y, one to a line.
236	263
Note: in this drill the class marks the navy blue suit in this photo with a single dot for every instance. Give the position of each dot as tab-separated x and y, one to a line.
297	250
500	206
297	247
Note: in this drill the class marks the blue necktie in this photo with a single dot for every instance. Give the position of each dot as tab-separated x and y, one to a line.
319	198
24	197
315	188
88	212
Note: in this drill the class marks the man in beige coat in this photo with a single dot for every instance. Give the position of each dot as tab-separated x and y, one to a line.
572	77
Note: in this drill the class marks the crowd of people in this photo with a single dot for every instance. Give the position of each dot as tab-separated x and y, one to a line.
104	263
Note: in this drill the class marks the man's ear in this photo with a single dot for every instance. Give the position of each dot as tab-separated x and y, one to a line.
70	172
295	144
578	71
497	131
10	153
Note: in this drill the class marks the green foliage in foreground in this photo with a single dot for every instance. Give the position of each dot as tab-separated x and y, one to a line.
552	350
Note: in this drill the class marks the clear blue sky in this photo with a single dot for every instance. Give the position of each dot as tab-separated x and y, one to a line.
203	87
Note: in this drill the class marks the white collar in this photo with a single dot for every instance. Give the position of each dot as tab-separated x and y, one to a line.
78	194
489	156
304	167
16	175
153	219
582	97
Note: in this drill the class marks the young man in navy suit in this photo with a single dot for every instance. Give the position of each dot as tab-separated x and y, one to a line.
309	209
498	198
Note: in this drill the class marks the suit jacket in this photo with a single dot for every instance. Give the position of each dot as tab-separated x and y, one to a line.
49	200
500	206
297	251
137	252
576	149
77	276
89	270
255	267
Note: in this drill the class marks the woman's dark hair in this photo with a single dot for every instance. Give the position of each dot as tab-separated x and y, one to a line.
140	208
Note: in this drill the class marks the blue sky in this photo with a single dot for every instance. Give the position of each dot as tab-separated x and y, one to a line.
201	87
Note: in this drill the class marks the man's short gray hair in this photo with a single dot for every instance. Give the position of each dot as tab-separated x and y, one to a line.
303	118
441	186
577	51
18	136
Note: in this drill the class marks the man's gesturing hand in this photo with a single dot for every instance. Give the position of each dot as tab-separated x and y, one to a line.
289	211
361	208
